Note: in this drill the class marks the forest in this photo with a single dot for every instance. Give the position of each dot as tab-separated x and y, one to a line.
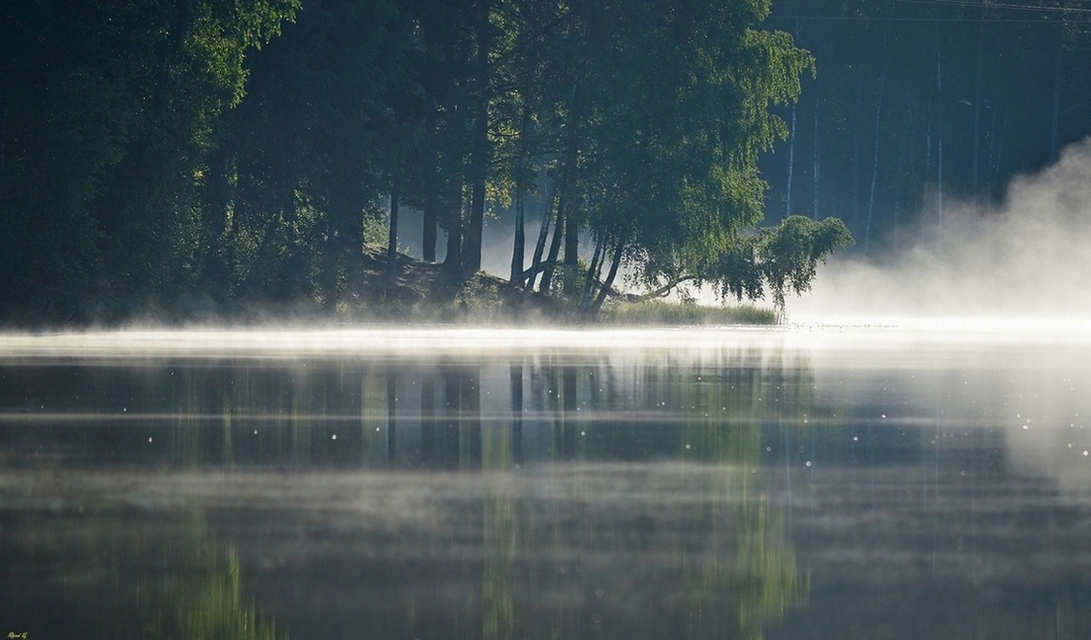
919	104
197	157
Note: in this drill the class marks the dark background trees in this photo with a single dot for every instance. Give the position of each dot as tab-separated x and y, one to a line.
306	156
202	155
108	112
914	99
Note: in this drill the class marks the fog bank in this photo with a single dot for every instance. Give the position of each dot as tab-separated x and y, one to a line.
1027	257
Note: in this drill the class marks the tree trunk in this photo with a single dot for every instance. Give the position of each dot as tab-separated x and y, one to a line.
429	235
903	145
554	251
992	163
875	153
471	241
610	276
430	210
564	220
791	146
519	244
566	177
816	166
471	237
571	256
592	276
452	263
939	139
392	246
855	204
1055	111
791	163
928	141
543	234
977	113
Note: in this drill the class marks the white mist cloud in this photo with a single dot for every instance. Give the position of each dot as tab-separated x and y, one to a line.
1028	257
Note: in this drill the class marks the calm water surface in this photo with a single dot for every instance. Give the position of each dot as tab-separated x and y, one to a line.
495	485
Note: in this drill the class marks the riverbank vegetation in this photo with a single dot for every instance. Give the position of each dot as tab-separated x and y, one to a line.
208	156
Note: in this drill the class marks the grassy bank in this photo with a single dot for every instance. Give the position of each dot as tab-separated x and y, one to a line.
661	312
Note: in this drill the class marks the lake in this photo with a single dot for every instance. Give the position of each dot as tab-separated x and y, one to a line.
493	484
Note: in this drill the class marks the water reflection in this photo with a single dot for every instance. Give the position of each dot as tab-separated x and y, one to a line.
117	571
210	603
745	489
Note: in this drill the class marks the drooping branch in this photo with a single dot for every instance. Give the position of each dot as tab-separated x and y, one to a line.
661	292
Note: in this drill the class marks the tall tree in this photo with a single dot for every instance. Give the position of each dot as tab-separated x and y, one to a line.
443	66
668	161
480	152
313	149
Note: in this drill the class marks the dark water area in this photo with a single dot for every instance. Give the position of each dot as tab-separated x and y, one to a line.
714	483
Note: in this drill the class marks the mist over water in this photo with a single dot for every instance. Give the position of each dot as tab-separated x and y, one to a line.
1028	257
578	483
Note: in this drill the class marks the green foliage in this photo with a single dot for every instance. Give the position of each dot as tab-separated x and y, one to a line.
783	258
376	231
664	173
238	151
107	112
304	160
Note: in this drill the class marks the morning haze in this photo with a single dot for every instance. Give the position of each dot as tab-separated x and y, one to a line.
1027	256
238	401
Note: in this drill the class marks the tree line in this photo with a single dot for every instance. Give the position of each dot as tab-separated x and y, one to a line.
205	154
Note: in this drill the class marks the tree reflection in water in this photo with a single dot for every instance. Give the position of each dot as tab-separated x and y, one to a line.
746	575
607	494
209	601
551	493
722	547
103	570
